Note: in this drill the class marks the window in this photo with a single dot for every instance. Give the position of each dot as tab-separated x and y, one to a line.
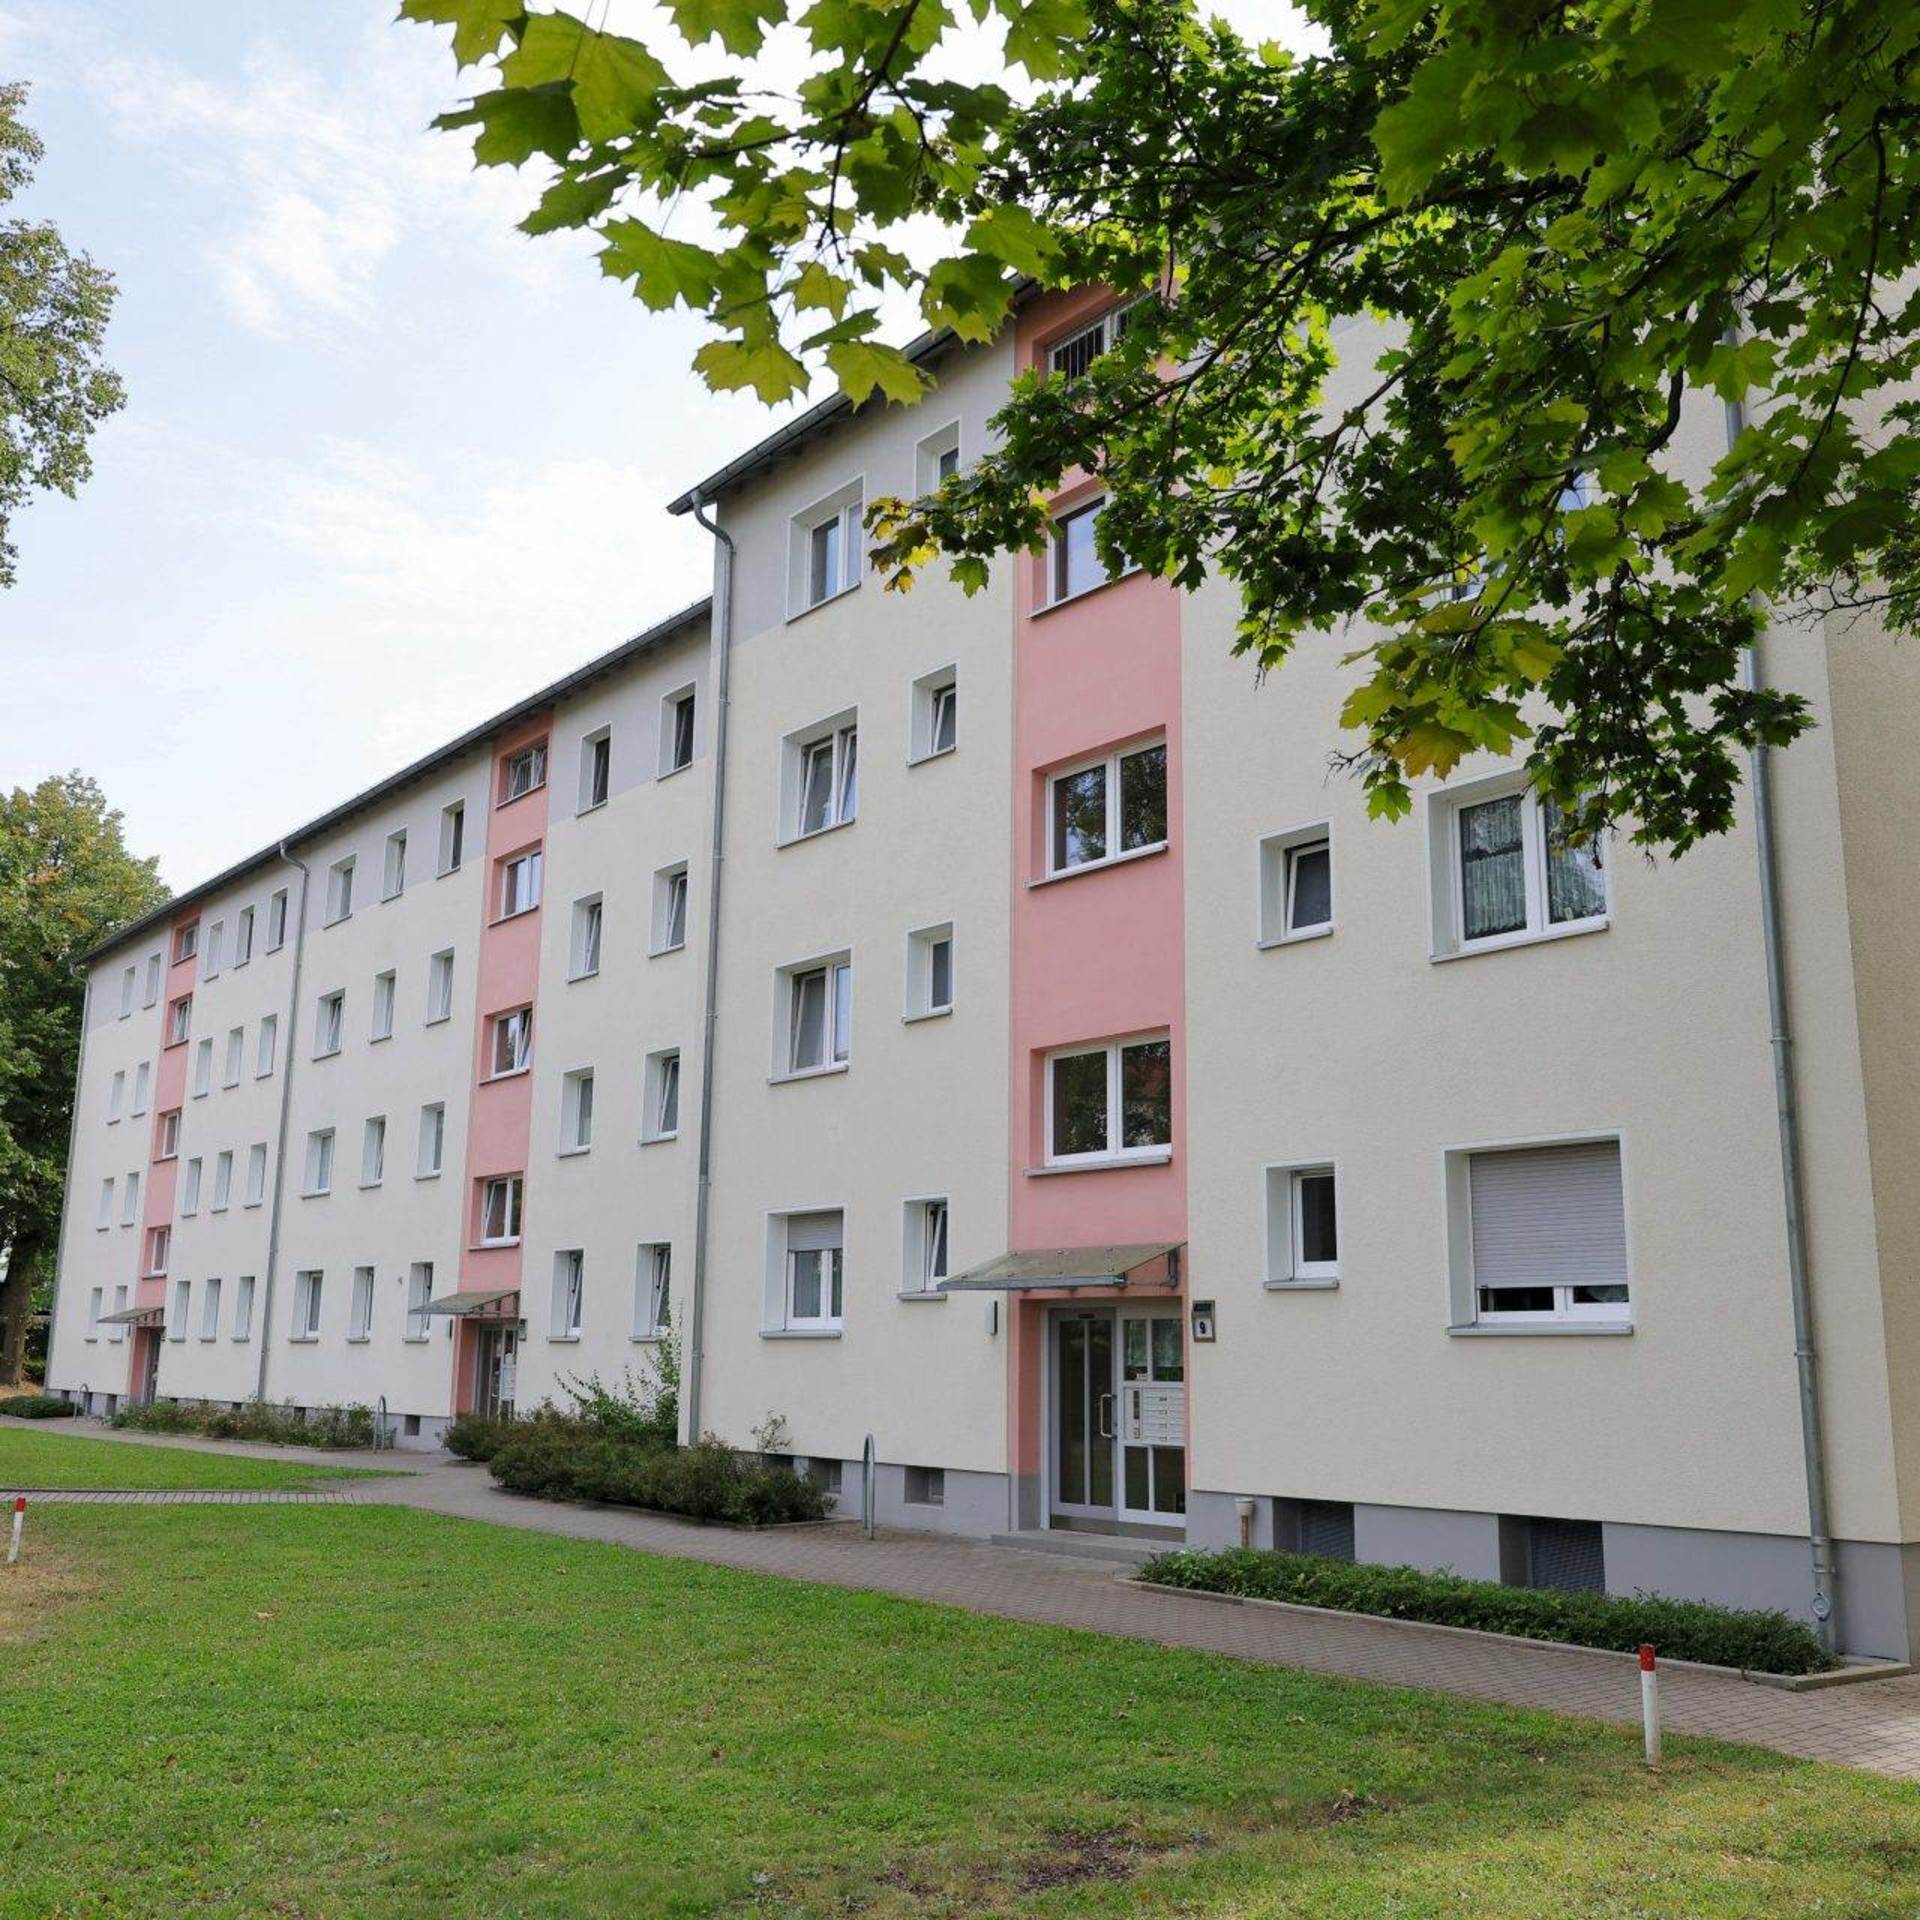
277	921
180	1020
216	949
1547	1234
104	1217
393	865
819	1017
1323	1528
166	1140
930	971
569	1282
937	458
1074	565
935	715
360	1307
453	836
243	1307
243	937
126	992
236	1056
1303	1235
1567	1555
340	890
94	1308
827	548
1072	356
117	1097
662	1092
440	987
373	1150
653	1290
520	883
419	1292
186	943
319	1161
670	909
576	1111
142	1086
512	1048
500	1211
924	1264
826	772
202	1068
130	1200
263	1054
256	1189
222	1179
159	1246
1511	873
152	992
182	1301
306	1304
118	1330
1296	885
676	731
1107	809
926	1486
523	772
329	1022
210	1311
189	1186
596	769
1111	1102
383	984
433	1141
815	1263
583	946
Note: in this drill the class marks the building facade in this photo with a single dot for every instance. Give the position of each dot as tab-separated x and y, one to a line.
1081	1106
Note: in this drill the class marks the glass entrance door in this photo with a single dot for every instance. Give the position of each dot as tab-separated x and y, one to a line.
497	1367
1152	1421
1083	1415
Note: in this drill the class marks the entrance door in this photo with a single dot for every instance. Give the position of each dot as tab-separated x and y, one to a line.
497	1364
149	1366
1118	1389
1153	1417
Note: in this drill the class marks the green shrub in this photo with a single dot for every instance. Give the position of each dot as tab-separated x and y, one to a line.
565	1459
38	1406
261	1421
1760	1642
474	1436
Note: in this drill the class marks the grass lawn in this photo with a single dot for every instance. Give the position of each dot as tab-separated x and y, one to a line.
34	1457
344	1711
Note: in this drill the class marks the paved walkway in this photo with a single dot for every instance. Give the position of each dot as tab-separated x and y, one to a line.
1876	1725
345	1496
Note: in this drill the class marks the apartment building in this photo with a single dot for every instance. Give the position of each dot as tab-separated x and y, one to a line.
1110	1130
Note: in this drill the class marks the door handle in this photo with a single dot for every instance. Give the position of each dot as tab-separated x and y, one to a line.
1104	1415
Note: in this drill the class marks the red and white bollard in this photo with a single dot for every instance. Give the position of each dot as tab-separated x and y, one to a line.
19	1521
1650	1705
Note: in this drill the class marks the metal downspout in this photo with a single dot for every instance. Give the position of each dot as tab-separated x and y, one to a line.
722	630
1826	1573
289	1052
66	1186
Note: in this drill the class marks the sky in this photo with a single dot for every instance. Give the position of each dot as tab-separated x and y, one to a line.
386	465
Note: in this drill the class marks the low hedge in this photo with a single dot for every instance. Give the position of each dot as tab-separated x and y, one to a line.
474	1436
38	1406
1759	1642
566	1460
281	1426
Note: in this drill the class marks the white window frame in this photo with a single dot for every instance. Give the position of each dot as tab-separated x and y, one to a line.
360	1305
1287	1264
385	991
142	1090
103	1219
653	1289
222	1181
936	455
190	1184
117	1331
418	1324
255	1191
1111	761
576	1111
521	875
277	920
844	510
308	1291
926	1253
210	1309
1448	883
182	1310
596	770
439	987
511	1029
685	698
152	994
523	771
373	1150
663	1071
166	1135
453	837
784	1272
203	1068
393	865
670	909
130	1199
329	1023
236	1061
180	1020
569	1293
159	1251
839	736
317	1177
921	1003
836	1028
340	891
432	1133
129	981
96	1305
1278	879
243	1307
117	1098
1102	331
586	937
243	938
932	695
1059	552
266	1047
186	942
513	1202
216	951
1112	1153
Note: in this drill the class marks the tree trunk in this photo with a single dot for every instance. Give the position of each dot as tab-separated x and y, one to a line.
16	1305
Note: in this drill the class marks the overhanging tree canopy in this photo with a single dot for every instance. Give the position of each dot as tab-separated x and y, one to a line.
1569	218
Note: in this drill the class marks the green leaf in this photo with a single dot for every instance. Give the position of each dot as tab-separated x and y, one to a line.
1013	235
574	202
766	366
662	270
515	124
860	367
614	80
739	25
478	25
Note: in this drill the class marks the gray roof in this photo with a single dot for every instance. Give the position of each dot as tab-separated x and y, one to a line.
641	643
